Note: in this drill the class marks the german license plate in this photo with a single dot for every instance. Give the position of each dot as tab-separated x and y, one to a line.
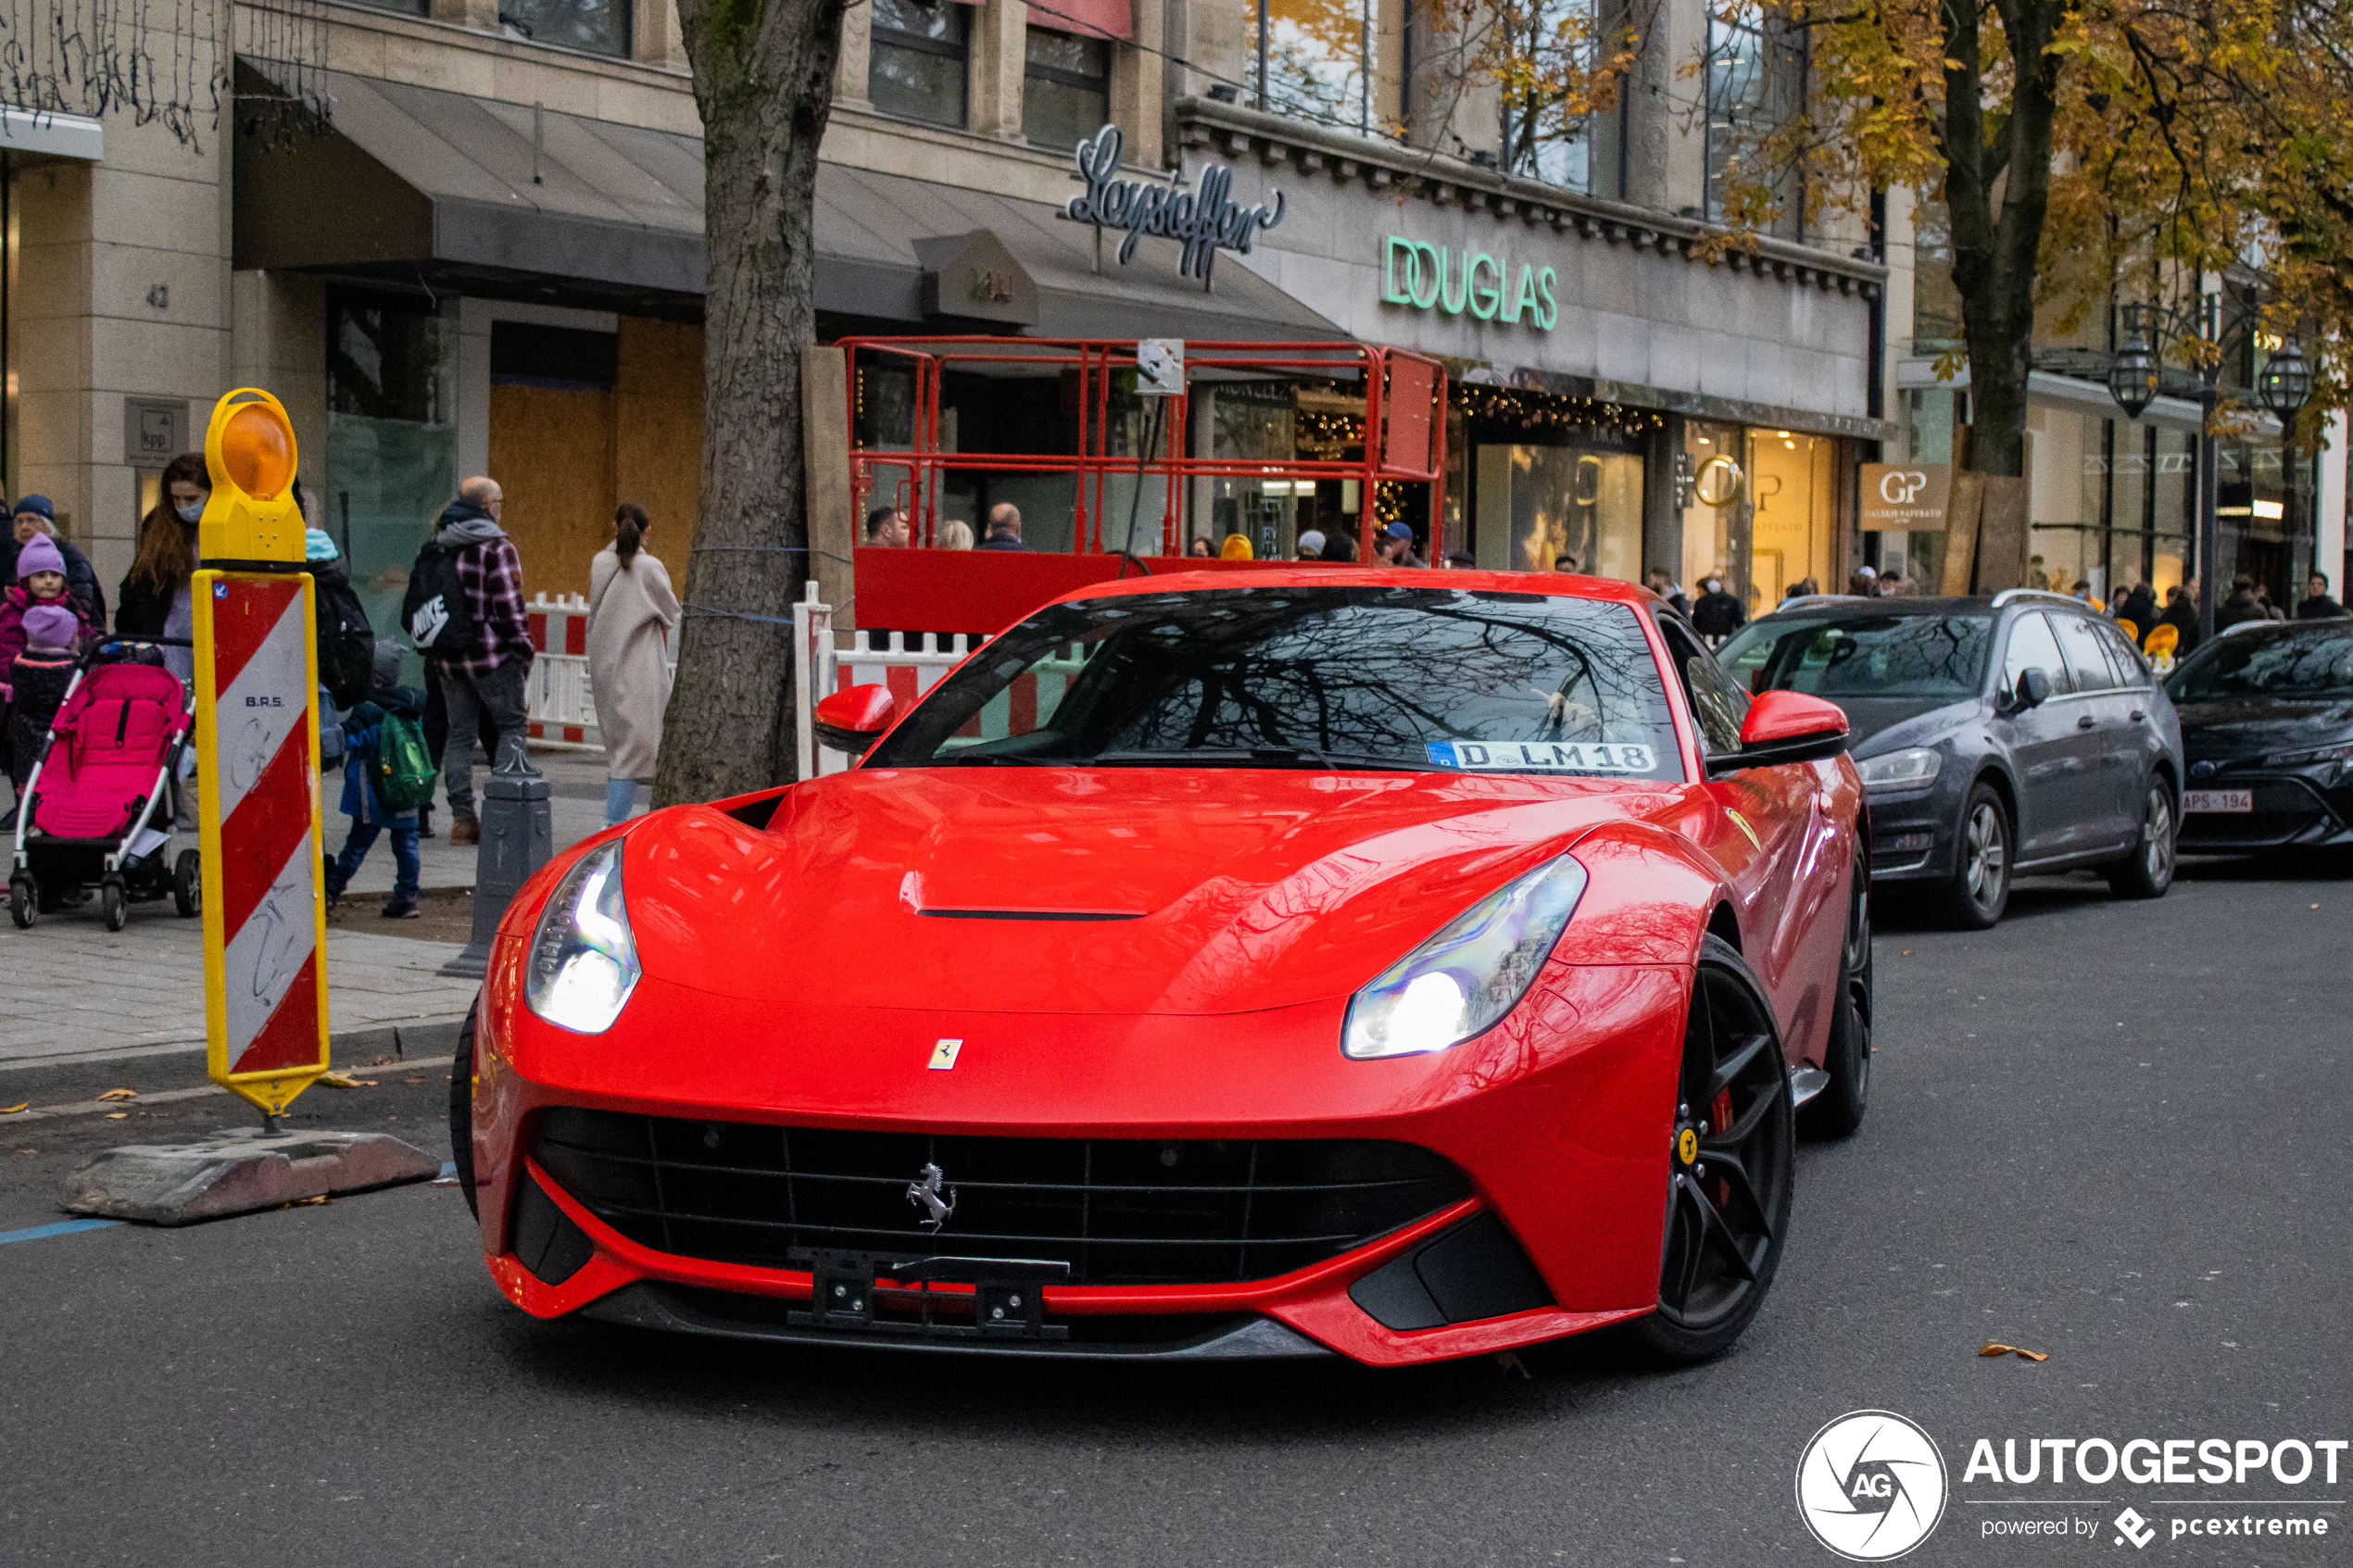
2219	800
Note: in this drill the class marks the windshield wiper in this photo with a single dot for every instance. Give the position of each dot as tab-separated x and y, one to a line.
1271	755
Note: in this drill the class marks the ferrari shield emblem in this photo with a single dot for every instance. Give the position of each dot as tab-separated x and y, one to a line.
943	1055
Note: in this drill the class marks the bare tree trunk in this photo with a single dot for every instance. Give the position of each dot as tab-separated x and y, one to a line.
763	75
1997	247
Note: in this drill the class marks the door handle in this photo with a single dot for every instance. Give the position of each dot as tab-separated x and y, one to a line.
2085	721
2137	716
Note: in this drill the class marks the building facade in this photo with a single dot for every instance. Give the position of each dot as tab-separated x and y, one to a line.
492	260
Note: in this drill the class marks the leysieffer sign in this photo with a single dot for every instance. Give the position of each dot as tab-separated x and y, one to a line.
1204	220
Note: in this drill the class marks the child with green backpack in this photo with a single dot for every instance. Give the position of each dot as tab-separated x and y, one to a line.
387	776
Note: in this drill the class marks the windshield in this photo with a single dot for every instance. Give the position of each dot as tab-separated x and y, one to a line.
2282	662
1895	656
1349	677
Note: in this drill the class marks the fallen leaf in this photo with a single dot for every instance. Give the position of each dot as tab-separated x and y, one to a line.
344	1081
12	1110
412	1079
1907	952
1992	1350
2032	1356
309	1203
119	1095
2316	906
117	1115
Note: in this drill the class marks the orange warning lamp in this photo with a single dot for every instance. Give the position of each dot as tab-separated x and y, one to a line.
249	452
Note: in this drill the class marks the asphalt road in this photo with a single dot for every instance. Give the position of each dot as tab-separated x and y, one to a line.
2110	1132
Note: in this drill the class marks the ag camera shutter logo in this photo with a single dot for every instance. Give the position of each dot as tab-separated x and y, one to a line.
1871	1486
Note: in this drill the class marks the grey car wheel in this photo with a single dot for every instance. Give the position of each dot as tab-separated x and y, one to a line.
2147	871
1980	890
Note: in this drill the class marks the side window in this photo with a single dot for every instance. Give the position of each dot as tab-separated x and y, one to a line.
2031	646
2131	669
2086	660
1717	703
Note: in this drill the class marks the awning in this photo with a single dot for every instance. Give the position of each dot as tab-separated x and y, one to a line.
39	134
1100	18
475	195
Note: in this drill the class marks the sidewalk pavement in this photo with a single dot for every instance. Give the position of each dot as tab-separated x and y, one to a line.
78	989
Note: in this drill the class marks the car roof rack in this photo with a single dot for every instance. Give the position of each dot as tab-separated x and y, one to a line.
2011	595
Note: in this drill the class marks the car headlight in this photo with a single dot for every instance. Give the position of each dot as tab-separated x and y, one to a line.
1909	768
1464	980
2306	758
584	961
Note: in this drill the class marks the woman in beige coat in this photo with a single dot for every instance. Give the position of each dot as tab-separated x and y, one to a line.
631	611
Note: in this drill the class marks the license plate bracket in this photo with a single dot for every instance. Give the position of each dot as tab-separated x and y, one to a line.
891	1294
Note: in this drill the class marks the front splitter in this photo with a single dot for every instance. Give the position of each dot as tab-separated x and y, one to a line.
650	1304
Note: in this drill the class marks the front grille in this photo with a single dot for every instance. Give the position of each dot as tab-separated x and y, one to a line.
2284	810
1119	1210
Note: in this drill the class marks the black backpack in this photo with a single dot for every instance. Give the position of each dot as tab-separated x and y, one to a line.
435	612
346	643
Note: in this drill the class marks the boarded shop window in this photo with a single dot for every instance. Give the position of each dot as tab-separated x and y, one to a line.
916	65
526	354
601	26
1065	88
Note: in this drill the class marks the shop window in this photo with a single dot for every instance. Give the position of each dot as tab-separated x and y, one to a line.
526	354
601	26
1315	59
916	65
1936	304
390	458
1755	76
1065	89
1561	138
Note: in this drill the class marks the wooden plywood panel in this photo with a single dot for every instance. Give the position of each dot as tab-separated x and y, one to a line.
551	450
658	436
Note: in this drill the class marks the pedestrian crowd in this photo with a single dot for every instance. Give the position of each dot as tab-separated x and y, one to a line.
397	743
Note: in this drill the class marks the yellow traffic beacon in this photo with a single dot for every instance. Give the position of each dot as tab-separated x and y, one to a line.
265	913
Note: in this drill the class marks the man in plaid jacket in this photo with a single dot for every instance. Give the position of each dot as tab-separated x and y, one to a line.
486	673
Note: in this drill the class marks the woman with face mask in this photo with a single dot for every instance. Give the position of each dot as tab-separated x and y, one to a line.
154	598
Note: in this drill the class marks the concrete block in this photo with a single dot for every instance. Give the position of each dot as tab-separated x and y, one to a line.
238	1171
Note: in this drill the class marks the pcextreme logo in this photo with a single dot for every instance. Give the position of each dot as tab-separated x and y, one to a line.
1871	1486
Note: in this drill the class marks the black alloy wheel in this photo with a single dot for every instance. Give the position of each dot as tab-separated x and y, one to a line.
1838	1110
2147	871
1980	890
461	1108
1731	1159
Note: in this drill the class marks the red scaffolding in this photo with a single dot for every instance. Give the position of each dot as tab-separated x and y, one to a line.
1399	396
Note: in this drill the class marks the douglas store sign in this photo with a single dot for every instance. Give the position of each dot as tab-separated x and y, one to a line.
1428	277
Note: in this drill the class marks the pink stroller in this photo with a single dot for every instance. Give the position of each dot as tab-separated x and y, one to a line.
103	782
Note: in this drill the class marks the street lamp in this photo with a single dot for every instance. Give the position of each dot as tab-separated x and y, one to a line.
2286	381
2133	374
2283	383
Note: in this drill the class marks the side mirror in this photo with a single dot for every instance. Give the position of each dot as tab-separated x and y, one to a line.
853	719
2033	690
1785	727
